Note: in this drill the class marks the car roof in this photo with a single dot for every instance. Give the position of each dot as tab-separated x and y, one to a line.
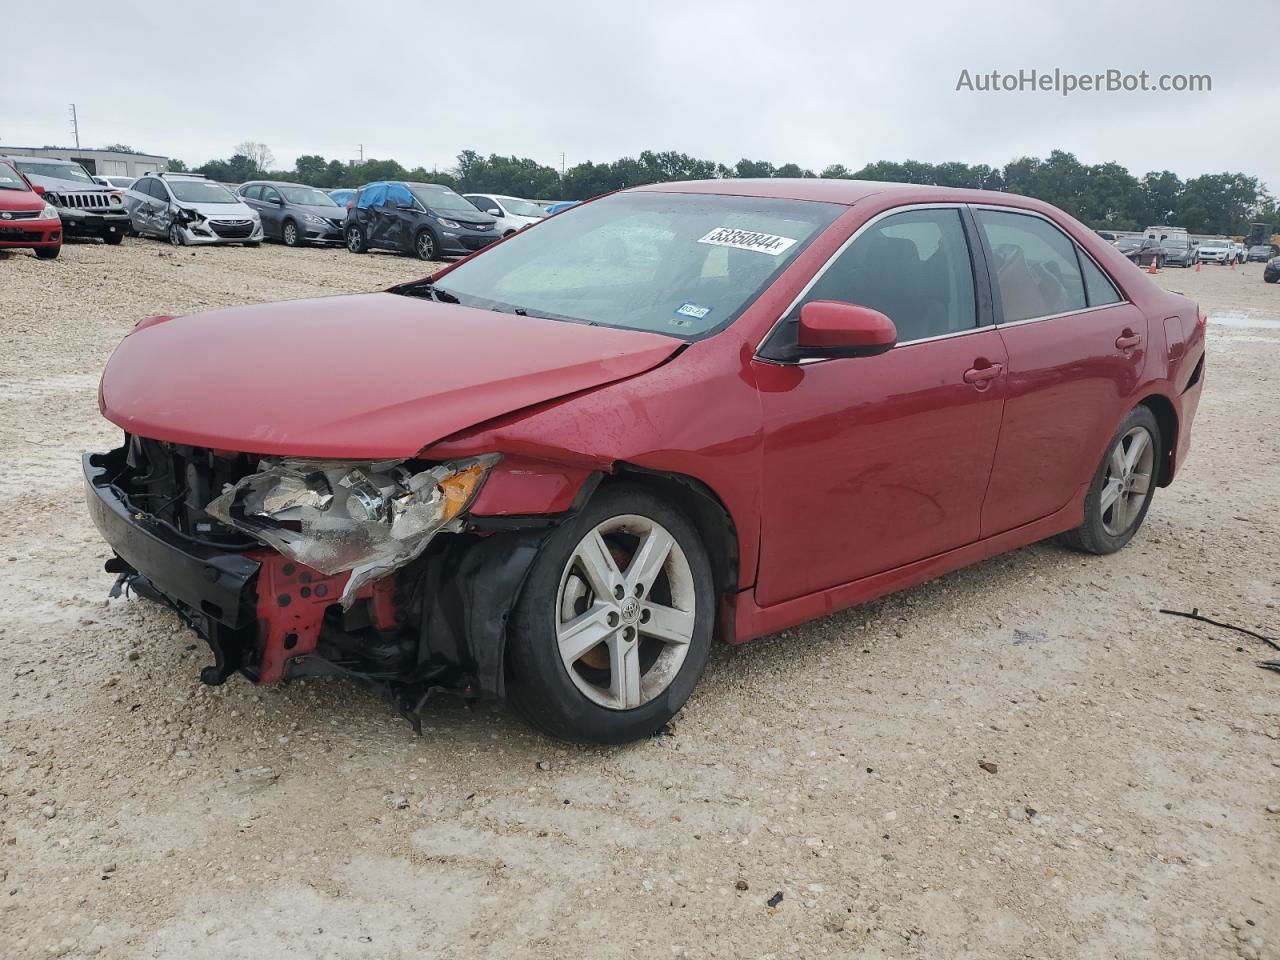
847	192
275	183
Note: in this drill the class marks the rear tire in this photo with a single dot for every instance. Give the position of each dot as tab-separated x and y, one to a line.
48	253
651	623
1120	494
356	241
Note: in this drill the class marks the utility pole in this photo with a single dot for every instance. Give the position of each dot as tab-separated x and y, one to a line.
361	146
75	126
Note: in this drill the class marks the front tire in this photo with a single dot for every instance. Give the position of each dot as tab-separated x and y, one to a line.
114	239
292	236
425	246
48	253
1122	488
356	241
175	236
613	627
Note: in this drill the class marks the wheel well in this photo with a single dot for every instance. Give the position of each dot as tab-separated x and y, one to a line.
714	524
1167	421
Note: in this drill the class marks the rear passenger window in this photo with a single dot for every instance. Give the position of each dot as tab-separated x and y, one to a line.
1097	286
1034	266
157	190
913	267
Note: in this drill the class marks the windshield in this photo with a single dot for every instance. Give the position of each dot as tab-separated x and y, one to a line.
121	182
442	199
680	264
201	191
1128	242
9	179
1260	248
57	171
307	196
522	208
1214	245
1174	244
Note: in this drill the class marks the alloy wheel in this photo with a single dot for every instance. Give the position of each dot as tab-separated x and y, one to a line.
426	246
625	612
290	234
1127	481
354	240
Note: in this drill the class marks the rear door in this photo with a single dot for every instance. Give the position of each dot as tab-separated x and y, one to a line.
1076	351
271	210
871	463
252	197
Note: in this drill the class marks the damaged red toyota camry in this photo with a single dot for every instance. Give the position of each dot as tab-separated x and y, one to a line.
557	470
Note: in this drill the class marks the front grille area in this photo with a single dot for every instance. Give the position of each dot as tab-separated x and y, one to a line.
18	235
478	226
475	243
22	215
174	483
232	229
82	201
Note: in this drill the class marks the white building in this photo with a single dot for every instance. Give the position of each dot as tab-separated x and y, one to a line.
104	163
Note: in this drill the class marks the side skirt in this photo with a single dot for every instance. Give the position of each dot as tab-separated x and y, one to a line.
755	621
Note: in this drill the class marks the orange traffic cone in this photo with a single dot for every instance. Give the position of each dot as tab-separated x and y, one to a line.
1152	268
1233	263
1197	266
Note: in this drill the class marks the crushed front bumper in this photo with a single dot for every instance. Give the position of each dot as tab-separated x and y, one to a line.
438	626
213	231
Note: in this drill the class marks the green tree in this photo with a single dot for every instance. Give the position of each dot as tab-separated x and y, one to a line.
176	166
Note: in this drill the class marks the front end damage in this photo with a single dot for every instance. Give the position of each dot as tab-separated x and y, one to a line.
291	567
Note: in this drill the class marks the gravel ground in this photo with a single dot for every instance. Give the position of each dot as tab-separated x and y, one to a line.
823	794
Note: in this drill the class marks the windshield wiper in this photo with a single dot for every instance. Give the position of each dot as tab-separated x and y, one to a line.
425	288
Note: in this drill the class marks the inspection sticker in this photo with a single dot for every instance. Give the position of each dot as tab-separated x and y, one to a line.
748	240
691	309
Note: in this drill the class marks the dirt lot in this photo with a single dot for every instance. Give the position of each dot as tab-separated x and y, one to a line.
821	795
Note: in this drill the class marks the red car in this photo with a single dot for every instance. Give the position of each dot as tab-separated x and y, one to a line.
26	219
556	470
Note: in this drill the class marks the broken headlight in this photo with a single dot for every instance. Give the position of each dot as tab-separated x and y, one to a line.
368	517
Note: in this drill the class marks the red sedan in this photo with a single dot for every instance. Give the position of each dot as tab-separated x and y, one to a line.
26	218
556	470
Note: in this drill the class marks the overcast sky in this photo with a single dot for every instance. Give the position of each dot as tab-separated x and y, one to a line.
815	83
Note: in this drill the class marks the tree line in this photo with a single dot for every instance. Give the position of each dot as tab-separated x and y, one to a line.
1103	195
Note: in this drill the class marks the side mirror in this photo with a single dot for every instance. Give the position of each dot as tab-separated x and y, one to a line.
829	328
494	212
276	201
38	189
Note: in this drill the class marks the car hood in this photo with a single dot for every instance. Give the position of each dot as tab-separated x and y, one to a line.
370	376
20	200
324	213
58	185
220	211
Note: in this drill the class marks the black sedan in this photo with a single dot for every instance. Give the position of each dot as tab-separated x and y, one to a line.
1142	251
1271	273
1262	252
1178	253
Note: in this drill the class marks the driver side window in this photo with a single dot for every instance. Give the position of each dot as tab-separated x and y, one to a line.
914	267
398	195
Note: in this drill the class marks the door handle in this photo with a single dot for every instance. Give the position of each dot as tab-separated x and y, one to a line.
1128	340
981	376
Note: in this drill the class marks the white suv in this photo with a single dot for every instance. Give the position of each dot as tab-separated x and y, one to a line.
512	213
188	208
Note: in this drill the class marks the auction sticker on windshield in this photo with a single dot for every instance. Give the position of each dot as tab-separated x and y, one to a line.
748	240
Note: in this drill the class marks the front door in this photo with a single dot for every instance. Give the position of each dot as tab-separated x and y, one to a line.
1076	351
874	462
